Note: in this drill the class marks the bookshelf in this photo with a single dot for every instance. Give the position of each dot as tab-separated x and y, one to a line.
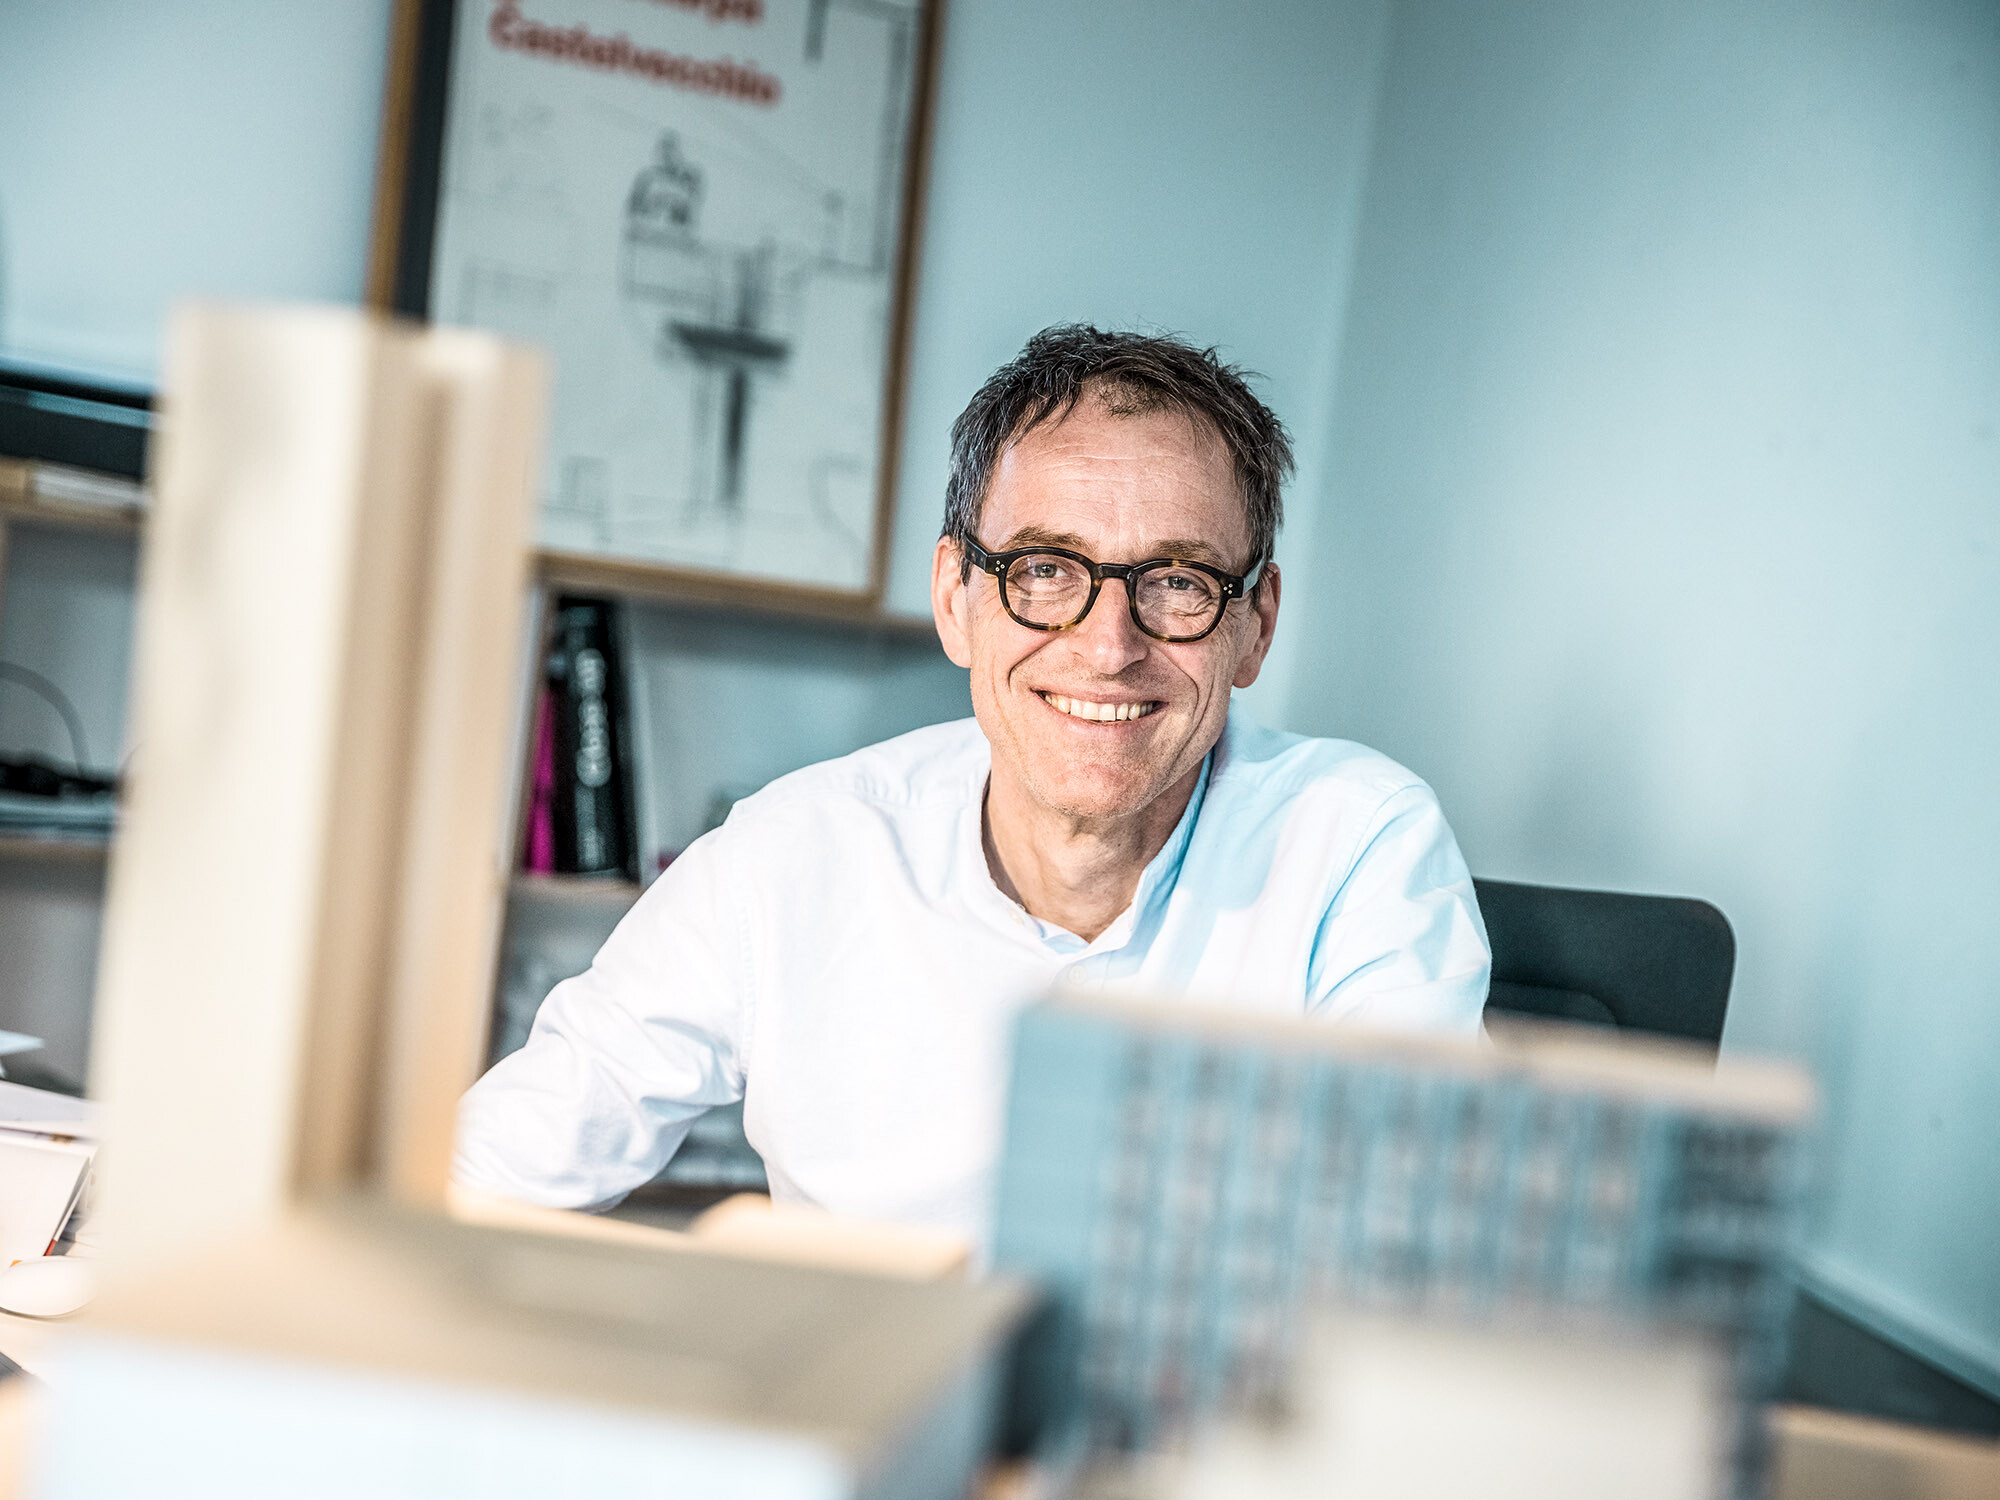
569	572
72	510
57	497
22	846
725	697
587	891
53	501
729	689
21	506
735	684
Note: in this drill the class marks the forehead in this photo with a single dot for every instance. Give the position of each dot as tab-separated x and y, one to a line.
1119	482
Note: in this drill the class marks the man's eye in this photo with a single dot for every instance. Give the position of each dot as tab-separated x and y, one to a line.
1042	570
1179	581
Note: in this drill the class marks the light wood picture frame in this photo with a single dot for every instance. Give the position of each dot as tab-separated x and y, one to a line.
707	212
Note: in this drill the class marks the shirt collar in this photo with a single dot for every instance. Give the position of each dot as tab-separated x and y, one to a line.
1156	881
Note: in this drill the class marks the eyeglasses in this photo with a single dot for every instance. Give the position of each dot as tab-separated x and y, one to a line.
1052	588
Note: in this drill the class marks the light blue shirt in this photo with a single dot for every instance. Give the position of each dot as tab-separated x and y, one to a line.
838	956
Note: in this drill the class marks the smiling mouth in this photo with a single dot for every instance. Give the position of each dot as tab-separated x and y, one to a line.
1098	713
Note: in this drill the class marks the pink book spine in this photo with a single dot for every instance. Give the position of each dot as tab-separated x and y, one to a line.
539	857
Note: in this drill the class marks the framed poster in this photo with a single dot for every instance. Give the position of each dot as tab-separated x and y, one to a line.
705	211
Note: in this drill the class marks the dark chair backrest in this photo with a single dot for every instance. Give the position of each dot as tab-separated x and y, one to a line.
1640	963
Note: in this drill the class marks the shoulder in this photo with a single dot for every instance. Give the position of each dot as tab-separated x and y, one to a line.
806	837
929	771
1254	765
1318	808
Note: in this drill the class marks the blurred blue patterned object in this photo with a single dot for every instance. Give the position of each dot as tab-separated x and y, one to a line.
1189	1185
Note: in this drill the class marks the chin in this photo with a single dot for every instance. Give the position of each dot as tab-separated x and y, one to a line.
1099	793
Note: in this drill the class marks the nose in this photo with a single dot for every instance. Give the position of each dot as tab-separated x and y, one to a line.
1107	638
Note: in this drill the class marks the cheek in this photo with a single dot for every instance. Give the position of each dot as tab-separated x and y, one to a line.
1206	671
995	657
1240	639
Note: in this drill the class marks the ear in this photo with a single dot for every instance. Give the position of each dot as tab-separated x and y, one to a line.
951	602
1264	602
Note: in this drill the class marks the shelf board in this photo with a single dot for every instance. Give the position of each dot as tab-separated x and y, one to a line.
23	498
579	890
718	593
70	513
47	847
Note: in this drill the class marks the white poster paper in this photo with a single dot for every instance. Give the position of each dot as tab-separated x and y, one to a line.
697	207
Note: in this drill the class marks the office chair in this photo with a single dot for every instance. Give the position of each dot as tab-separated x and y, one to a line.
1639	963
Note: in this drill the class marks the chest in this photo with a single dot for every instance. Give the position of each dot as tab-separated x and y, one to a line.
878	1067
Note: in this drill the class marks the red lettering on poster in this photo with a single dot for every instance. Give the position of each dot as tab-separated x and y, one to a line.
749	12
721	76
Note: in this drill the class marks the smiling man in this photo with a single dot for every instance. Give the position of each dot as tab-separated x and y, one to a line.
847	953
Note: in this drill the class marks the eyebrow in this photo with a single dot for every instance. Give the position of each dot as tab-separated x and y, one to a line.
1178	547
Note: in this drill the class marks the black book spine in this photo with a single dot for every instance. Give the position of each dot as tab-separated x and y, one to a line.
593	804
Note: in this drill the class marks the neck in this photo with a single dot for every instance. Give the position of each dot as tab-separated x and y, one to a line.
1078	873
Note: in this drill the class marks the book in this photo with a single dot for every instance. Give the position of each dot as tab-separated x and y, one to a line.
538	848
591	799
645	708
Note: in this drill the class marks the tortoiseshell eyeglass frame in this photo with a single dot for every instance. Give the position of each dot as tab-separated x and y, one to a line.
1234	585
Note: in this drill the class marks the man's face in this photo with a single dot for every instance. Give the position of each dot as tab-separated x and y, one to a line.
1118	489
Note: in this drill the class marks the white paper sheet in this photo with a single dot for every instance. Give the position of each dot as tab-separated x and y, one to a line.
39	1183
45	1113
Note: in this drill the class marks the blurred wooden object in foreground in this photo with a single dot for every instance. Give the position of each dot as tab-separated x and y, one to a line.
20	1409
304	901
748	1225
361	1349
330	694
1535	1409
1817	1455
1833	1455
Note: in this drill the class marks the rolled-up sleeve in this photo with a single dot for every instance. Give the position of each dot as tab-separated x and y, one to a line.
623	1057
1401	943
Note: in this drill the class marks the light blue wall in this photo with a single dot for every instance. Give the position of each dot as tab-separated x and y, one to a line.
1664	528
154	151
1174	164
723	705
1177	164
148	152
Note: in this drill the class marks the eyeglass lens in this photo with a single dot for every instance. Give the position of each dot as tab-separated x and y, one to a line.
1046	588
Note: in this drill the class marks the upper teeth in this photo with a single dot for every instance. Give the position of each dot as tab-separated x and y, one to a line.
1083	708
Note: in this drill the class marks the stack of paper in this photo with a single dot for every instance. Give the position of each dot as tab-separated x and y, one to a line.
46	1145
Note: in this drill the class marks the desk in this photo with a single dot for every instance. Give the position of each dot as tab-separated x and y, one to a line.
1830	1455
27	1341
1820	1455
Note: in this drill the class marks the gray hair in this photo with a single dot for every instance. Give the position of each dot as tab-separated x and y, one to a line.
1131	373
